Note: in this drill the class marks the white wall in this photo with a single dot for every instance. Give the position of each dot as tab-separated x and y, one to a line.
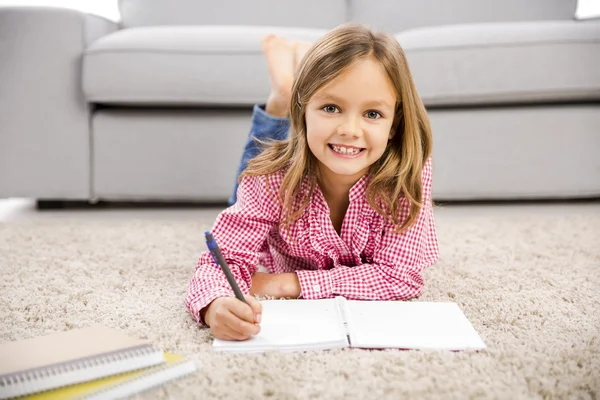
104	8
588	8
108	8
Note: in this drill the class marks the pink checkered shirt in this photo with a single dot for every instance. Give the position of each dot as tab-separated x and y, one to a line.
367	261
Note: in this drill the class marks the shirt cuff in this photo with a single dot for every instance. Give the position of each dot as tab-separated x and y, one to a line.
315	284
205	300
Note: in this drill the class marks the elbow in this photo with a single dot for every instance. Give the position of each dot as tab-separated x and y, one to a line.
410	285
416	283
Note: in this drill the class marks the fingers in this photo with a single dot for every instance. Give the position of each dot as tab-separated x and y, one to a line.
224	336
256	308
234	328
240	330
234	320
244	311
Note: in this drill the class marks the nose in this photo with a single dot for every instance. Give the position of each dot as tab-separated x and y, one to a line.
350	125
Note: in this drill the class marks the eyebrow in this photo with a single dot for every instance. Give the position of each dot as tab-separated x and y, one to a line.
335	99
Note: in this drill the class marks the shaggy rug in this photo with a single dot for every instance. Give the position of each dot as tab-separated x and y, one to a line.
530	286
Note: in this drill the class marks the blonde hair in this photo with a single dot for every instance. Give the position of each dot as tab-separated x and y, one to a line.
397	173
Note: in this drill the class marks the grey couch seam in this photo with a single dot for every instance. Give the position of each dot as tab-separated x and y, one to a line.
452	99
162	51
89	110
407	49
499	45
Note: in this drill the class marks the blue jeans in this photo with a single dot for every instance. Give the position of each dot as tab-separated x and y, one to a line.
264	127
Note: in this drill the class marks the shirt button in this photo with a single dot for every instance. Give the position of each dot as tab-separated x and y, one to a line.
317	287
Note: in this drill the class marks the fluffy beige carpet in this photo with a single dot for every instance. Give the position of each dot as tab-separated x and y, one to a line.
530	286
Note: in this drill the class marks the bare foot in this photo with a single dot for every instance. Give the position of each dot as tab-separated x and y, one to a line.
300	50
279	53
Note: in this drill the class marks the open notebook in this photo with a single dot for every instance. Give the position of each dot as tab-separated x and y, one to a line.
298	325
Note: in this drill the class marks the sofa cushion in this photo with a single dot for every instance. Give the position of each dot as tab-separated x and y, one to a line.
451	65
505	62
396	16
305	13
208	65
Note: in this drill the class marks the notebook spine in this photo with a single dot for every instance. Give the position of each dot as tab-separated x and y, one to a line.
72	372
150	379
341	303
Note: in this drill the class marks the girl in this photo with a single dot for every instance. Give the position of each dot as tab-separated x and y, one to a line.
340	208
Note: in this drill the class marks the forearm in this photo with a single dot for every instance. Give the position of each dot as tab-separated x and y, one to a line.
363	282
284	285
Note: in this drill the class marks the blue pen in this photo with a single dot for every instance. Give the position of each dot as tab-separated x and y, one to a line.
216	254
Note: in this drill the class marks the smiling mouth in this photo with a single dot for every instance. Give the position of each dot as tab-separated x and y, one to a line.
347	151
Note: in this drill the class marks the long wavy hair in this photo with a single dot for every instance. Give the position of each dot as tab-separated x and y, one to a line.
397	173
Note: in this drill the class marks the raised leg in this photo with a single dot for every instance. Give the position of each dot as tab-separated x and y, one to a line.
271	120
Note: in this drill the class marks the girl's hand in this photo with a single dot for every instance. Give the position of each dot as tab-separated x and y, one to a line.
231	319
276	285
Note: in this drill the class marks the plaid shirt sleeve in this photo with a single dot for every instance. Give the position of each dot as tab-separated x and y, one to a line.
240	232
395	273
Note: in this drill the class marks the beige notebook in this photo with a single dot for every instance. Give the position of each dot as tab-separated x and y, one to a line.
69	357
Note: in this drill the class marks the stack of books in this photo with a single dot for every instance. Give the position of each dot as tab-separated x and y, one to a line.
89	363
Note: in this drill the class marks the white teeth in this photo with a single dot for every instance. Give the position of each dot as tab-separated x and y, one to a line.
345	150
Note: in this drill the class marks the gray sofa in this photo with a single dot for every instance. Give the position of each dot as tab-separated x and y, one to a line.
157	107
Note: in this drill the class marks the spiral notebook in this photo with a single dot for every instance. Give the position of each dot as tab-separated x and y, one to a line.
122	385
65	358
300	325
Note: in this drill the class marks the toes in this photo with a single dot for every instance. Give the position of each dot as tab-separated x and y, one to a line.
268	39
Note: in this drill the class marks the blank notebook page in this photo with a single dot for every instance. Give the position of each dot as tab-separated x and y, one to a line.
410	325
294	325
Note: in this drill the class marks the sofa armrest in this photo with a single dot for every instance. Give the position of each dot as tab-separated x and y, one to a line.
44	118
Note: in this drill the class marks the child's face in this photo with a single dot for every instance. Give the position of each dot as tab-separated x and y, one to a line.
349	121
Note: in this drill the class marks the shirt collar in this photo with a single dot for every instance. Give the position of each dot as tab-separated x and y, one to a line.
357	192
359	189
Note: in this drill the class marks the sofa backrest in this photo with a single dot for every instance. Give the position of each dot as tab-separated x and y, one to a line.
299	13
398	15
390	15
